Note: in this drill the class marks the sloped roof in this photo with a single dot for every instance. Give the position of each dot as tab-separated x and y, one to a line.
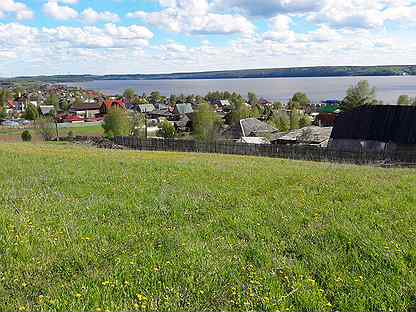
183	122
113	103
85	107
330	109
184	108
383	123
46	109
255	127
146	108
308	135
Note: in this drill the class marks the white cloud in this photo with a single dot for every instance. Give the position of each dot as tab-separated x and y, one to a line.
69	1
364	14
60	12
90	16
194	17
111	36
21	11
280	29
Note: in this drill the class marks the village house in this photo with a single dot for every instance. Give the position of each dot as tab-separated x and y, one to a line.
250	128
85	110
111	103
264	103
46	109
222	105
312	135
146	108
328	113
375	128
183	108
161	107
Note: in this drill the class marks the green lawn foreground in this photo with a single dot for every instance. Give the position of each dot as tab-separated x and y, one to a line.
83	229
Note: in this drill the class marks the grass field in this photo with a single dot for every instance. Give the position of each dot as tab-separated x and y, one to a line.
94	230
14	135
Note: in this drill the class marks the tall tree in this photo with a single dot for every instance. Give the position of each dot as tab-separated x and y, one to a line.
3	103
294	120
154	97
239	111
138	124
129	94
252	98
173	99
299	101
281	121
53	100
359	95
116	123
206	123
31	112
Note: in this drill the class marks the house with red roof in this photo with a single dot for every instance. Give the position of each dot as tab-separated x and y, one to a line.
111	103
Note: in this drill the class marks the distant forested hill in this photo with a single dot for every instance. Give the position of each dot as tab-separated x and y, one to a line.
325	71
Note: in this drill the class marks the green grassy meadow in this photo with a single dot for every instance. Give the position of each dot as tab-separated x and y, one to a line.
83	229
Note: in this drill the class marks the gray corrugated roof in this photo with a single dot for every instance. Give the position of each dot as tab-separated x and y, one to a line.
185	108
310	135
255	127
146	108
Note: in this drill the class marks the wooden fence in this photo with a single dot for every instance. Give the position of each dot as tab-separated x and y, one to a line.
297	152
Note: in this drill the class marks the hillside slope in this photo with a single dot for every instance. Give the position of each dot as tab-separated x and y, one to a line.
89	230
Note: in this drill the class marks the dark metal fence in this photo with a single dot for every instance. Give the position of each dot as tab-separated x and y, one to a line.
297	152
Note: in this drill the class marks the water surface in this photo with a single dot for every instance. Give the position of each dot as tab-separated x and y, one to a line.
388	88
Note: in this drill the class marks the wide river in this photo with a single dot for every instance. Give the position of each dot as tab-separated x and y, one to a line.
388	88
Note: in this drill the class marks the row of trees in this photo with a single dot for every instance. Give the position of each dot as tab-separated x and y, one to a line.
285	121
155	97
363	94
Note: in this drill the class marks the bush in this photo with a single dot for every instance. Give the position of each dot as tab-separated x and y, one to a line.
116	123
26	136
70	134
166	130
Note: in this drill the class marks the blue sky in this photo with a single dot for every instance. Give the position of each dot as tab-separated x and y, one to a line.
160	36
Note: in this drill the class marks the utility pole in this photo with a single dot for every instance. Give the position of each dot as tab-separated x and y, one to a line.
145	126
56	128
